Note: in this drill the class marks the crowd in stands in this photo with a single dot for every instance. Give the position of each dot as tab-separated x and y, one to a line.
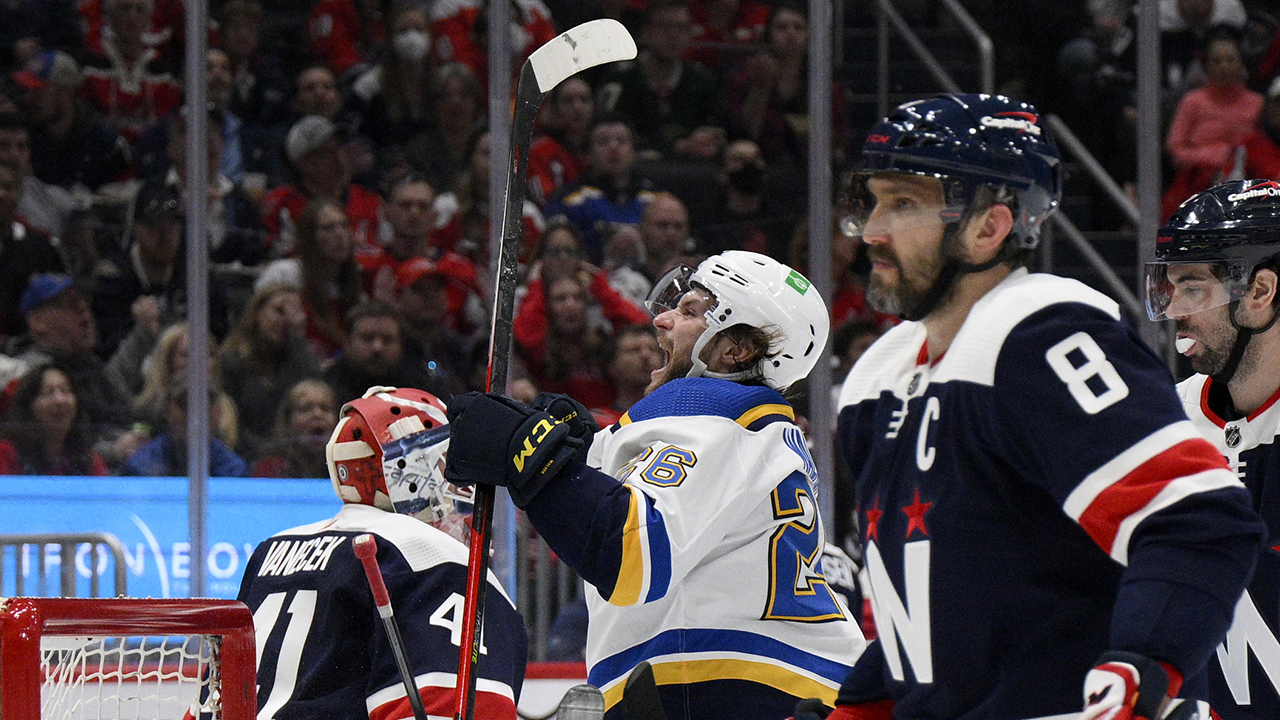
348	199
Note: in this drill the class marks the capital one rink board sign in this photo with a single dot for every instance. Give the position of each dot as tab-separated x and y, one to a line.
149	516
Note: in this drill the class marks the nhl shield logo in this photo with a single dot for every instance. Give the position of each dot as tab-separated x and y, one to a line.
1233	435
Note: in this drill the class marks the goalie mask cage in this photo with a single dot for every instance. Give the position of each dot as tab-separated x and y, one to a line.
126	659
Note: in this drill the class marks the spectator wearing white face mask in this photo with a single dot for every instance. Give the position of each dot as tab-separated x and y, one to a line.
395	97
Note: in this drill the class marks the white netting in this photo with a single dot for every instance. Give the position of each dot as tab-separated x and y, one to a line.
130	678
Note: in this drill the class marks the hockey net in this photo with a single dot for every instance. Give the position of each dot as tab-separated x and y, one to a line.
126	659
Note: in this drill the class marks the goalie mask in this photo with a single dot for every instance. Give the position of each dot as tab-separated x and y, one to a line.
388	451
755	290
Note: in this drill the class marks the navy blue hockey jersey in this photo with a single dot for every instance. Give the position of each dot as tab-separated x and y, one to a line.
1244	678
1032	498
322	650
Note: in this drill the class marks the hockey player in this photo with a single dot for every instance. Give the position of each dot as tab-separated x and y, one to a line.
695	516
1217	261
322	651
1038	514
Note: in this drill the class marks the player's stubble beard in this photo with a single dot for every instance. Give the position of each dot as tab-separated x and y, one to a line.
676	368
1215	339
904	297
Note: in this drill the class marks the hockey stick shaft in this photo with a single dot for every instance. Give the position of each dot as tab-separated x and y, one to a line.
526	110
576	49
366	548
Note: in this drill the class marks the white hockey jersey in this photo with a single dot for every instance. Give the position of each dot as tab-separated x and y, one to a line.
720	586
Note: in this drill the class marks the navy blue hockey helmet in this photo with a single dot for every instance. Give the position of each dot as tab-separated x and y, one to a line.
1233	226
970	141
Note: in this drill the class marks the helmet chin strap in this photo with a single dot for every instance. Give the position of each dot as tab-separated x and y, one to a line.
1243	336
951	271
699	368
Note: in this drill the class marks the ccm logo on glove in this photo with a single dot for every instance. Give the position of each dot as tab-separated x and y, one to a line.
536	435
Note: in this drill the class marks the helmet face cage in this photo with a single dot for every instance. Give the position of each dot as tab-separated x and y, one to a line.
1206	253
970	141
388	451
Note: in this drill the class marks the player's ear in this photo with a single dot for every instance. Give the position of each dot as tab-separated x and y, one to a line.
1262	292
989	231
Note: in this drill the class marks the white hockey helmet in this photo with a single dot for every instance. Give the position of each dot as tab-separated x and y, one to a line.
388	451
755	290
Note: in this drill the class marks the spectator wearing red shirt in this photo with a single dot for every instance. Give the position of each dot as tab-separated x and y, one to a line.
1262	147
312	147
562	326
460	29
725	28
1211	121
346	35
128	81
165	25
410	218
558	155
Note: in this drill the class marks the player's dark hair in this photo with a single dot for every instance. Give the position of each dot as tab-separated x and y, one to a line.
761	341
986	196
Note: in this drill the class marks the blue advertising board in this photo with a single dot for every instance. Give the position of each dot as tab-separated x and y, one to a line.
149	516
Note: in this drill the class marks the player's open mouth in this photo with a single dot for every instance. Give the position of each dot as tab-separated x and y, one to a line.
666	360
1184	344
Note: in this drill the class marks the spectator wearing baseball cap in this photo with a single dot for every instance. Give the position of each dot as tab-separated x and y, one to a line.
61	328
143	287
24	252
313	149
423	299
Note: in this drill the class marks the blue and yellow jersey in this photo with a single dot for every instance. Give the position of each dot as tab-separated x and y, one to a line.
706	558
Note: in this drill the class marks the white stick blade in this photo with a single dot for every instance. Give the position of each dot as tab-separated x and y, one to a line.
578	48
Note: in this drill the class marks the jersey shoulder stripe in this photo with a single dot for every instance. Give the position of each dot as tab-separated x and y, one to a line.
1169	465
645	570
751	406
974	353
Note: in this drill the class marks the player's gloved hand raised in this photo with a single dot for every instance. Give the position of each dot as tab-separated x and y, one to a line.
1129	686
495	440
582	424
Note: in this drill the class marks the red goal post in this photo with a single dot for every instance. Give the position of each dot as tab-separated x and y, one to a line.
126	658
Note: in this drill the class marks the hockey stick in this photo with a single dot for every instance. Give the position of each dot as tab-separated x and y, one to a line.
640	700
366	549
572	51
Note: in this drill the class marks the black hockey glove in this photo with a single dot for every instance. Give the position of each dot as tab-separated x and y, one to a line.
582	424
810	709
495	440
1129	686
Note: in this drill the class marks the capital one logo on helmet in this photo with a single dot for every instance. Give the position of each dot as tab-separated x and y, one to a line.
1020	121
1262	189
